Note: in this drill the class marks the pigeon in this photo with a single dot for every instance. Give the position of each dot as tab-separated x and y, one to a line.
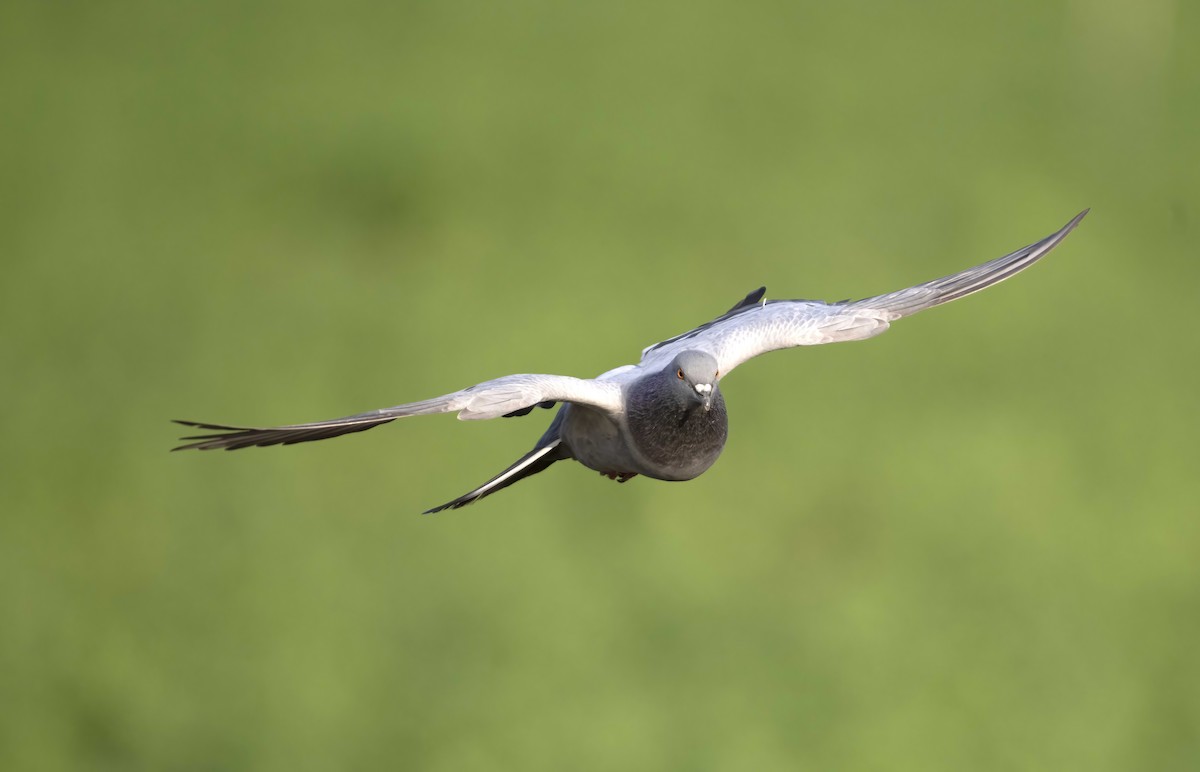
663	417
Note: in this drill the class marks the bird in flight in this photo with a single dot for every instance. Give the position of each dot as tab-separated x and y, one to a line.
663	417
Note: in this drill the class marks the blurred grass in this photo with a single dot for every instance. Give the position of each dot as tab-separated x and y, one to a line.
968	544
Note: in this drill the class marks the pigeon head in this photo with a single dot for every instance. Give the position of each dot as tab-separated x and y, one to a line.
694	373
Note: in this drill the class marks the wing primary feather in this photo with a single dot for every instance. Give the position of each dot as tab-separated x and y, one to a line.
909	301
743	334
506	396
752	299
238	437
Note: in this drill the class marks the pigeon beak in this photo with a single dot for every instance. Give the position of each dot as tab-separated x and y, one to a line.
704	392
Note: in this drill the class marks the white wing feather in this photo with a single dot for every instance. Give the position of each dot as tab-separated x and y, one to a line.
753	330
490	399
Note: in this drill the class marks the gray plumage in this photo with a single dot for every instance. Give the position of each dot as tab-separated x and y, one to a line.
664	417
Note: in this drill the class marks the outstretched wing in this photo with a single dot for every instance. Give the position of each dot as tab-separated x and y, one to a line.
750	329
512	394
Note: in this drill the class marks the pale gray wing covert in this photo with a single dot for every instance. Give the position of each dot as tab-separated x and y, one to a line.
754	327
507	396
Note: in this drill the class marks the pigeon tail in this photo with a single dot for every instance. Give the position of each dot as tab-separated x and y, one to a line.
531	463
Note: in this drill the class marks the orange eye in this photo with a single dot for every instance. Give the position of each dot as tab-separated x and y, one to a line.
717	374
679	373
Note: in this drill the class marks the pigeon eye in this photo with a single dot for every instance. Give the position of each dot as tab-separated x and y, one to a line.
679	373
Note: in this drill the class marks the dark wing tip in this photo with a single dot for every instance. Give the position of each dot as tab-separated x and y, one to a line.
456	504
236	437
468	498
224	437
214	427
752	299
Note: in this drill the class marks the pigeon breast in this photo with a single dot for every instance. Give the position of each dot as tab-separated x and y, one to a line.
676	437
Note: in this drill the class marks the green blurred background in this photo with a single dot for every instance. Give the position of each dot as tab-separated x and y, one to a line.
969	544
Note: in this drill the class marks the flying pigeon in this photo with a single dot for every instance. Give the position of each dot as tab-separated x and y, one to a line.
663	417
